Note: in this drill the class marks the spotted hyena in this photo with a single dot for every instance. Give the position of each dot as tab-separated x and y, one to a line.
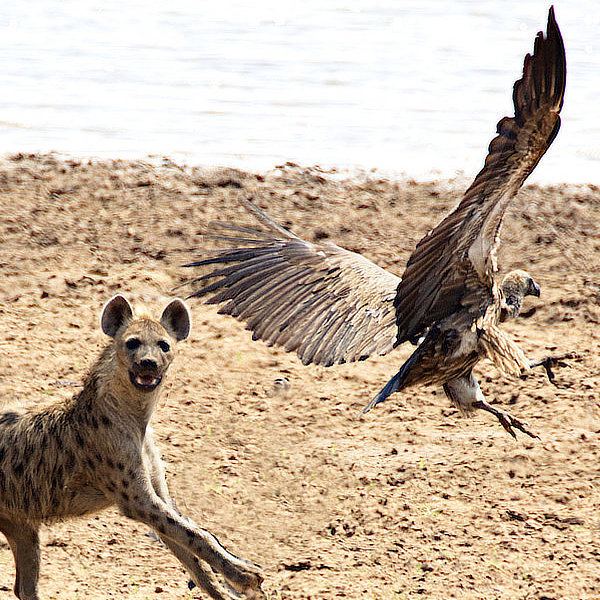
95	450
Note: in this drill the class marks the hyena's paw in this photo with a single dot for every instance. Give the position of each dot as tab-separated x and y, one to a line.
246	577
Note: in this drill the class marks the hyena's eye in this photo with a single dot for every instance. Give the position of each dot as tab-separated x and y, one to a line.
164	346
133	344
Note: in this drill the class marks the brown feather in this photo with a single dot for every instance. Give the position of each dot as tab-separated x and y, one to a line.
469	235
310	298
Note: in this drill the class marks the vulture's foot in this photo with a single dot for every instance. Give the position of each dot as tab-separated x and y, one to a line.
506	419
553	361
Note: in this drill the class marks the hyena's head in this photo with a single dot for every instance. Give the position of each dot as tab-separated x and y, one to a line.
144	346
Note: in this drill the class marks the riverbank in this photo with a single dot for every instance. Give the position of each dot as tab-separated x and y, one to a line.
412	501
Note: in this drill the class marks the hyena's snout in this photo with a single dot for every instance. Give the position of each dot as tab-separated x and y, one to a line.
146	374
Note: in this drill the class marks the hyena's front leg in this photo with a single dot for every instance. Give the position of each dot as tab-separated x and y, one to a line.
140	502
201	573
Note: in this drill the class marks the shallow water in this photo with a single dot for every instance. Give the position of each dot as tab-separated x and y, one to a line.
407	87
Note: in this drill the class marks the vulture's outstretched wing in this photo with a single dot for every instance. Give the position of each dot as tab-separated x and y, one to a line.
325	303
452	266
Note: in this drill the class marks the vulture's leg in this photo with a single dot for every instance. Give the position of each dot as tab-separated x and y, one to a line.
506	419
466	395
553	361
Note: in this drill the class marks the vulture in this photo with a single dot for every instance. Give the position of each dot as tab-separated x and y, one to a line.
332	306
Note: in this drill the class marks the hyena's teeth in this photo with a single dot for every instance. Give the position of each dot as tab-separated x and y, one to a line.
146	380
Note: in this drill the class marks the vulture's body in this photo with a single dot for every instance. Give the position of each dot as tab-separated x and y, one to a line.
331	306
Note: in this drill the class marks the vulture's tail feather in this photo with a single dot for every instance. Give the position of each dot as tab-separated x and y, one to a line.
395	384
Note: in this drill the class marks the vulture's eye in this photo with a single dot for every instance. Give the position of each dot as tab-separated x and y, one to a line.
133	344
164	346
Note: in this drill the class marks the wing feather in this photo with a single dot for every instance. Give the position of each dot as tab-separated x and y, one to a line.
325	303
457	258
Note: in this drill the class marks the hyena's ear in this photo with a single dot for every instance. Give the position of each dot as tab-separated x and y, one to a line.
117	311
176	320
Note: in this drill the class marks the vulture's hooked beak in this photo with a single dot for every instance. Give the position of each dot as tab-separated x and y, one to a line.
533	289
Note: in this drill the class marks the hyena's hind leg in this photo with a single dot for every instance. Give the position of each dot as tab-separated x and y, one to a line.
200	572
25	545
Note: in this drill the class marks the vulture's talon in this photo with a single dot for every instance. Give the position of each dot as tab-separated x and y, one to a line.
513	422
506	420
553	361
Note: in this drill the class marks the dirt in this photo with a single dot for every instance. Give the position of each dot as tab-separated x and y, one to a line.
412	501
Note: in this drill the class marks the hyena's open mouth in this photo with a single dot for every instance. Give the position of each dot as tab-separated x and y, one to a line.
144	381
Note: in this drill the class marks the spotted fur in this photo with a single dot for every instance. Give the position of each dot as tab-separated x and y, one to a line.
95	450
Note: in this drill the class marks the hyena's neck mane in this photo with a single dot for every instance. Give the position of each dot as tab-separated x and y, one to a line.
87	401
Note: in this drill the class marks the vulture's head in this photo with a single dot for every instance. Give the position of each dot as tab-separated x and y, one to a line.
515	286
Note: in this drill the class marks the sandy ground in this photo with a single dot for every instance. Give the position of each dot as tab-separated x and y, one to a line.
414	501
